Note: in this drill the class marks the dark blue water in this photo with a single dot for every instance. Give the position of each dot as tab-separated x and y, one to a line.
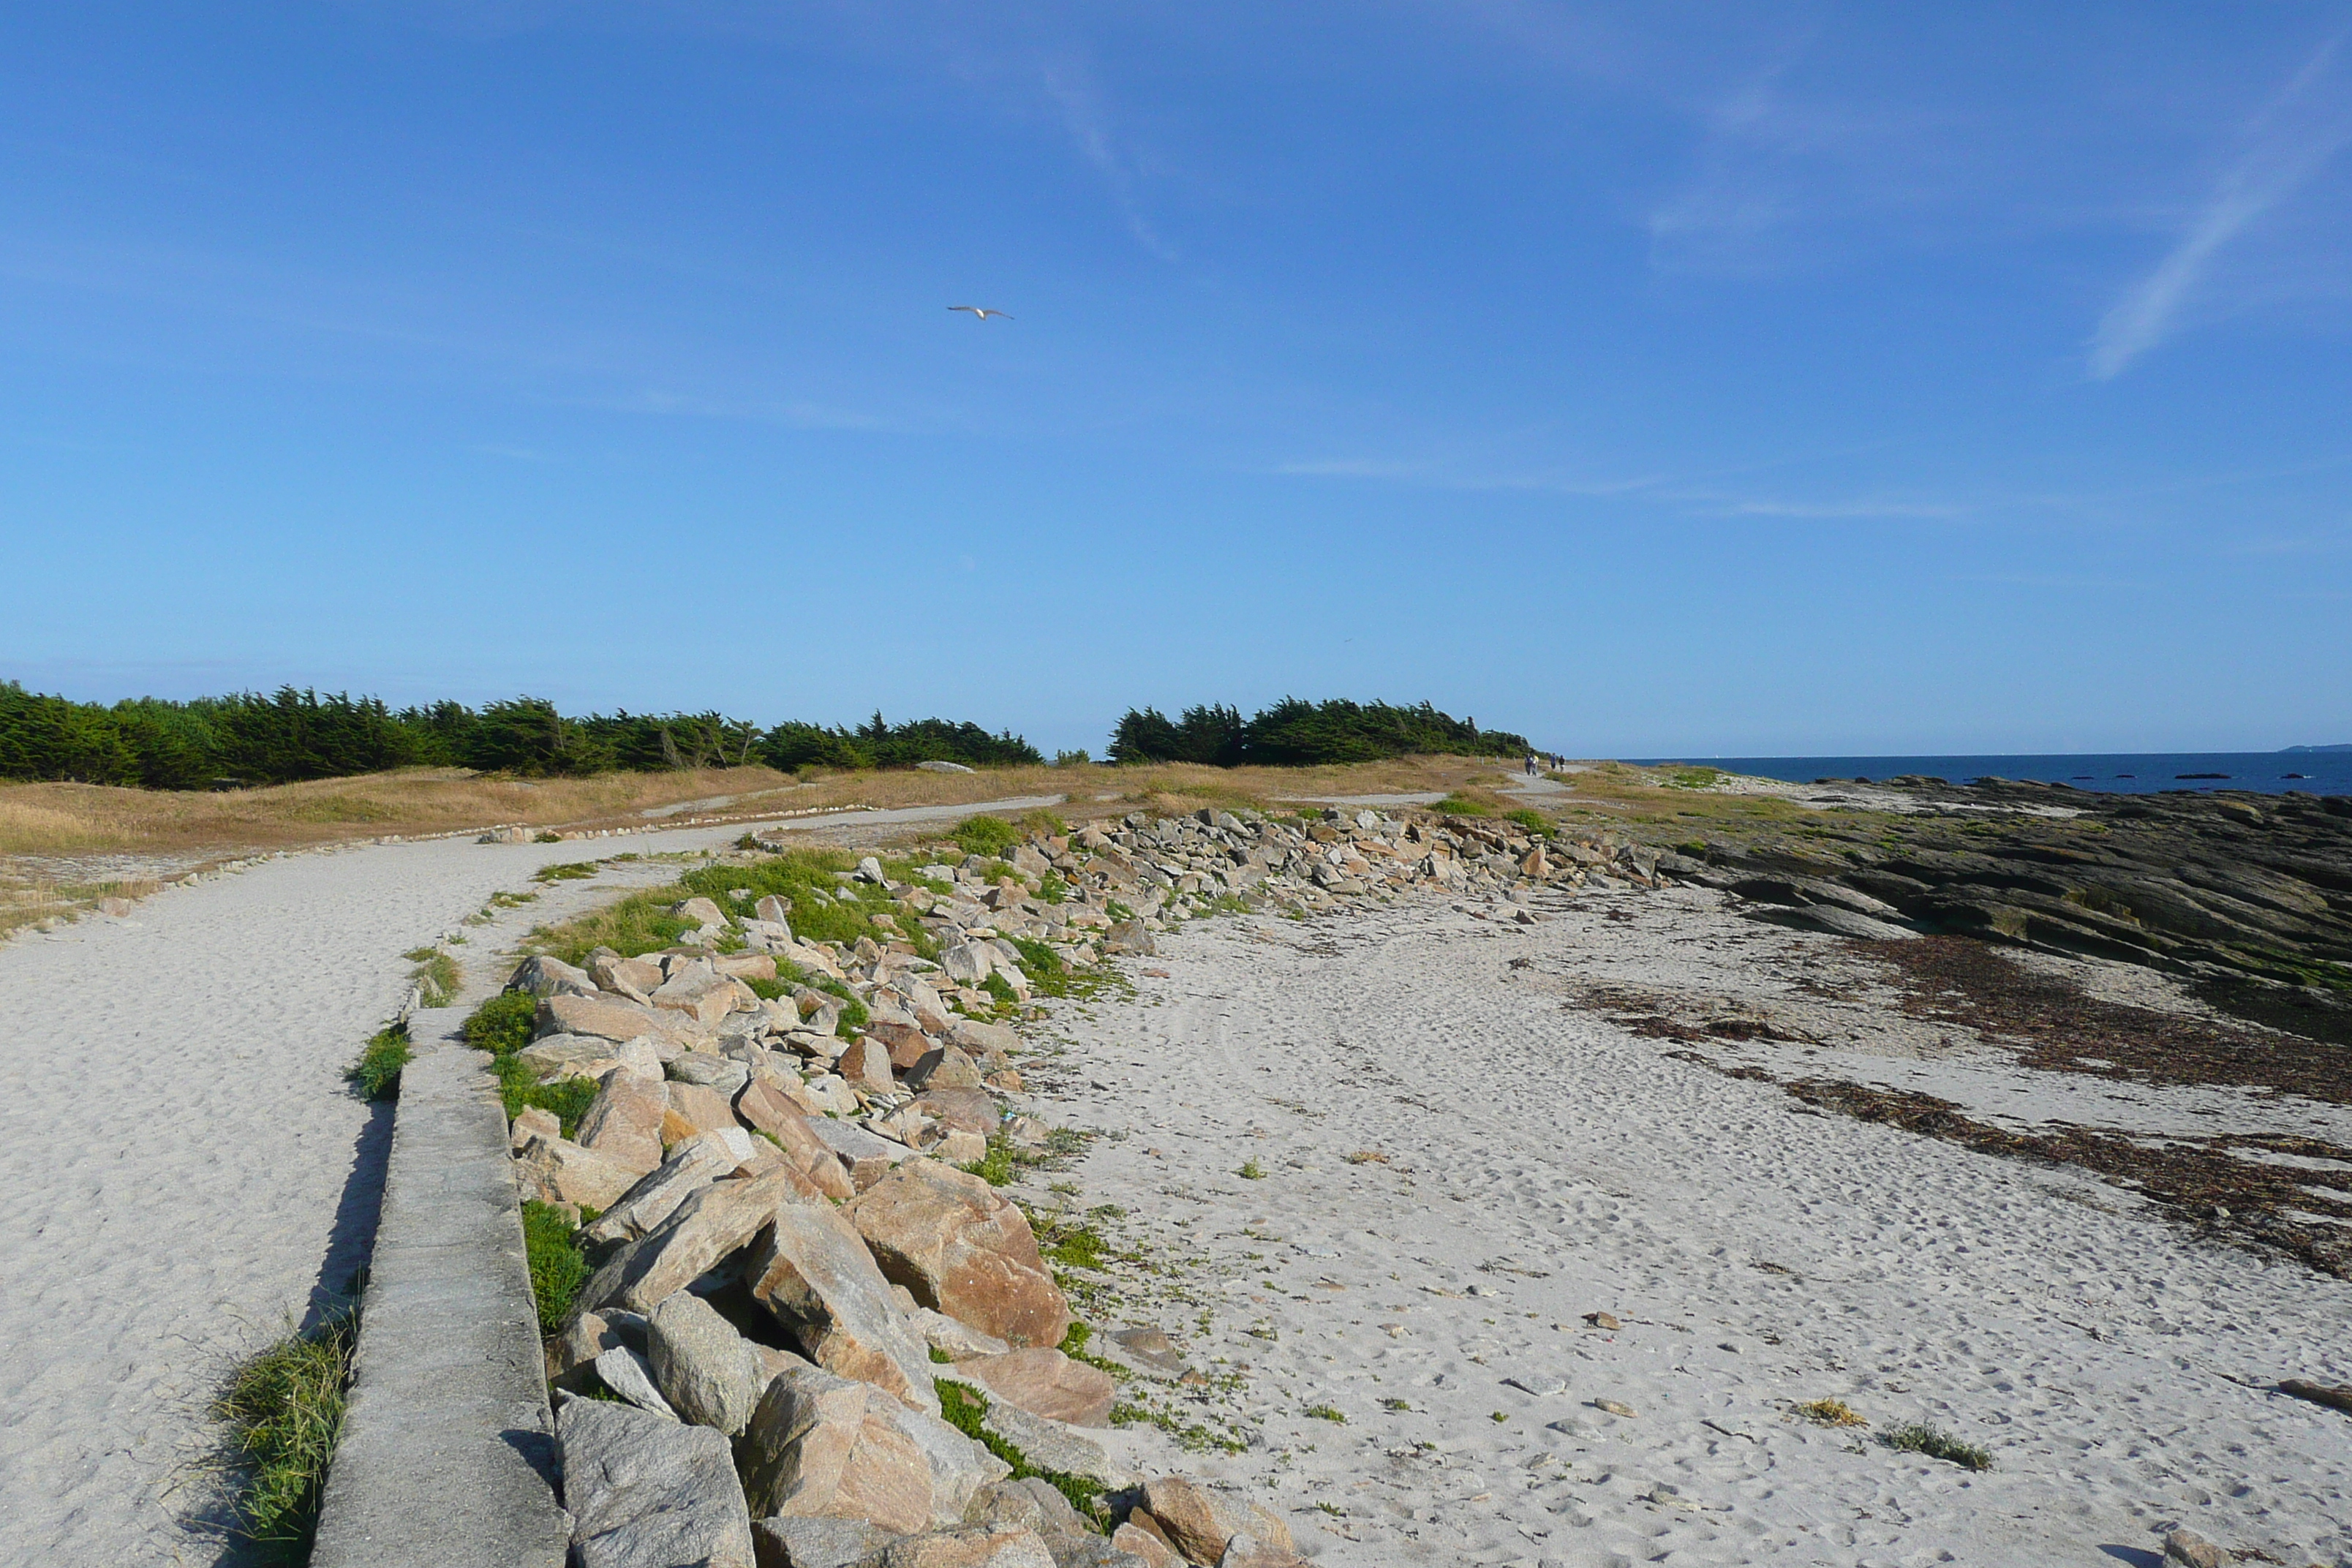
2272	772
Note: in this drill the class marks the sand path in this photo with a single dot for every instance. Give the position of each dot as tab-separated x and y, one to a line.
187	1172
1544	1163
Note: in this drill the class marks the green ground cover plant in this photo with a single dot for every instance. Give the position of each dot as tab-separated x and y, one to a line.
437	974
557	1266
376	1075
1458	806
985	834
1920	1438
965	1409
284	1412
569	871
1535	822
502	1026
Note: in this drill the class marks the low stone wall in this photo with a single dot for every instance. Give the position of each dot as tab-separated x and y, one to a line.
448	1456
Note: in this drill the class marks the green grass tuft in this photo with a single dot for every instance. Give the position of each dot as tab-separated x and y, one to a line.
284	1411
1921	1438
570	871
558	1267
436	975
376	1075
1251	1170
986	836
998	1166
1328	1412
1458	806
1694	778
1535	822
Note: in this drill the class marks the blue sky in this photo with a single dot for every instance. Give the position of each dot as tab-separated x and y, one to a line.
1654	380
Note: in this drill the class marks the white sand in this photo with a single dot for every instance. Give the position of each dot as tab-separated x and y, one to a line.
1545	1164
186	1171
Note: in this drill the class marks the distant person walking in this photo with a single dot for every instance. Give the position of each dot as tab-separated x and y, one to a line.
1532	769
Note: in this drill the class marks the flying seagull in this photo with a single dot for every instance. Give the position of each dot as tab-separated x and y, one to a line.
980	312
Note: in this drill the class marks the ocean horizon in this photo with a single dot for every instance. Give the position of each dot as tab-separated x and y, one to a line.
2119	773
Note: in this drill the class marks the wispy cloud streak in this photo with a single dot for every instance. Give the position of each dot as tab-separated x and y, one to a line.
2295	136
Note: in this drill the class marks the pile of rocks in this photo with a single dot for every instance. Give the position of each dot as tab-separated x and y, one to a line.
791	1256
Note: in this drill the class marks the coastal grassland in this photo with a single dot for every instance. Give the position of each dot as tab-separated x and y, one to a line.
64	846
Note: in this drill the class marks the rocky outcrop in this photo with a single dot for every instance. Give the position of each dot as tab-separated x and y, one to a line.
2249	896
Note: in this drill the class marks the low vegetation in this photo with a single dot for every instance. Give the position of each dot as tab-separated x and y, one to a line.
558	1266
966	1410
1831	1413
502	1026
283	1411
376	1075
438	977
1920	1438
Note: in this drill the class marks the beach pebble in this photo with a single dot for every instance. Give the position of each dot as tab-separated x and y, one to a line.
2193	1551
1602	1320
1536	1383
1612	1408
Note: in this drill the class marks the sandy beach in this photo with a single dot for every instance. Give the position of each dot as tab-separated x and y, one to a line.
1522	1161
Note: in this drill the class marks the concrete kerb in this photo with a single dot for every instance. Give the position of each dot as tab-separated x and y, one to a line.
447	1457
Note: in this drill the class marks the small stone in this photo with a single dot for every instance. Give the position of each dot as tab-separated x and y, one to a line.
1602	1320
1536	1383
1612	1408
628	1374
2193	1551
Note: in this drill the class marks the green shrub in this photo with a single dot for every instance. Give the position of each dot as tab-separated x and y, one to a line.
1920	1438
1458	806
986	836
284	1411
503	1024
558	1267
1535	822
376	1075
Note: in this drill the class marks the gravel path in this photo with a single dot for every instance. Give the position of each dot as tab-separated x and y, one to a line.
188	1174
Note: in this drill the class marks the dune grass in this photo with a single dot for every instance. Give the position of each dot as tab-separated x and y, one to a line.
284	1412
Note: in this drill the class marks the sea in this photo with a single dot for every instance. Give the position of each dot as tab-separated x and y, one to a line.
2121	773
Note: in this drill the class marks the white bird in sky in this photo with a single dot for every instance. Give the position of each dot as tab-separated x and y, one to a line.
980	312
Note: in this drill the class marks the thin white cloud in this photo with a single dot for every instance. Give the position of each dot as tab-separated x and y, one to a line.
1070	84
2295	136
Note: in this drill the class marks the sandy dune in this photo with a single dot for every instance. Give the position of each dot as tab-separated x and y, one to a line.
1544	1163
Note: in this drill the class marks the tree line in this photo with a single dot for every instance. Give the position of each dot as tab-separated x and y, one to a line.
291	735
1295	732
